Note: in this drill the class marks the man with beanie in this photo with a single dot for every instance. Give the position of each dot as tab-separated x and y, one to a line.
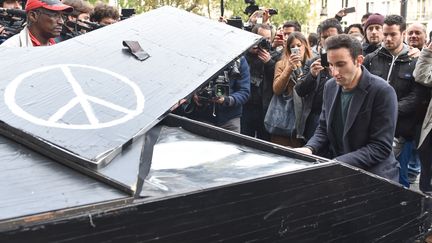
393	63
373	29
44	23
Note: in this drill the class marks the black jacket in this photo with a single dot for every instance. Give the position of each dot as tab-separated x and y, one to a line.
261	75
398	72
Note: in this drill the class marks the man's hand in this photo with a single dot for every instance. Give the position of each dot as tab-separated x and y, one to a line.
316	68
196	100
278	41
341	13
429	46
264	55
304	150
219	100
414	52
222	19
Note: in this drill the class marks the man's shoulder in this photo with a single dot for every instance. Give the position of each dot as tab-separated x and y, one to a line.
13	41
374	82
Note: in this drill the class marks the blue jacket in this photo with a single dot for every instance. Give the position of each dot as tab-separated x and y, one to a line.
369	128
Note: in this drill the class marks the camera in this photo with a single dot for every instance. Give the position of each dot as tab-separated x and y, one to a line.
272	11
264	44
215	88
251	8
221	85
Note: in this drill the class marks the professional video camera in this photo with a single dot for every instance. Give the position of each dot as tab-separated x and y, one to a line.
127	13
215	88
13	22
251	8
264	44
221	85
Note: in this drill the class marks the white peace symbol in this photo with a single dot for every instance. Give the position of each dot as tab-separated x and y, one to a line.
80	98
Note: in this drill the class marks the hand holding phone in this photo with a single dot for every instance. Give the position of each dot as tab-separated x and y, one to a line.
349	10
324	61
295	51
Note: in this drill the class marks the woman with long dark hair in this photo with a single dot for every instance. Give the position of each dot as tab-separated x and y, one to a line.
287	71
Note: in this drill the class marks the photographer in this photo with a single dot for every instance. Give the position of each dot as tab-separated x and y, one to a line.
221	106
9	24
73	27
262	64
104	14
287	72
310	87
287	28
44	23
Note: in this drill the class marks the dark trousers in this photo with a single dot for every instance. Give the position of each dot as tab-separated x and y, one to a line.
252	122
425	154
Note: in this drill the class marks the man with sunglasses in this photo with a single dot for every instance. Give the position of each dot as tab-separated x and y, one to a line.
45	19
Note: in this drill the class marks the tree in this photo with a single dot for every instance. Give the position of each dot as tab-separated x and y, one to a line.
287	9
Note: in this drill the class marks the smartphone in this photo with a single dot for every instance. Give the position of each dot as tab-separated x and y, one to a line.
350	10
324	61
280	36
295	50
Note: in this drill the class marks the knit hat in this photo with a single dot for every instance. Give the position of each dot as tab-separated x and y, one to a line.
374	19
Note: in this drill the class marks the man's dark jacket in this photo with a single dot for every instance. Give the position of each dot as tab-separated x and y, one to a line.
369	128
409	93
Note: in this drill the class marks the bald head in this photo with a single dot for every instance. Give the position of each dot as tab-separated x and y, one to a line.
416	35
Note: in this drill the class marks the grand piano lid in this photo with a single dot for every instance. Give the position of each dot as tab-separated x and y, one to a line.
83	100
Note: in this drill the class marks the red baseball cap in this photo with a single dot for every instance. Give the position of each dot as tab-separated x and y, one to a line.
54	5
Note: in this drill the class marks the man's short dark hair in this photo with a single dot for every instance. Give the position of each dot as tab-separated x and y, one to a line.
329	23
260	26
366	16
292	23
395	19
313	39
103	10
358	26
344	41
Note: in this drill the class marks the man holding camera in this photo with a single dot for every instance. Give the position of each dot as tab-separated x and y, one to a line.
220	102
6	20
310	87
45	19
262	62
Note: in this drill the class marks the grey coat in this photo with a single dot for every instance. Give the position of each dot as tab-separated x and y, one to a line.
423	75
369	128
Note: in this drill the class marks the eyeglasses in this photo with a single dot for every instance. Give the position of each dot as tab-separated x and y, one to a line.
52	14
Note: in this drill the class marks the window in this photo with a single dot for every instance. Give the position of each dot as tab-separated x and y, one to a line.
370	7
323	3
345	4
421	9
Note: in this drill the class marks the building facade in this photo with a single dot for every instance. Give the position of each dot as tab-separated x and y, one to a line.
417	10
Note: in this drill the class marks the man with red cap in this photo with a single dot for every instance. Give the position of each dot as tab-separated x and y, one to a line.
44	23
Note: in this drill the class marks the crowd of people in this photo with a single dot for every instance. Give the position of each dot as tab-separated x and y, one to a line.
360	95
53	21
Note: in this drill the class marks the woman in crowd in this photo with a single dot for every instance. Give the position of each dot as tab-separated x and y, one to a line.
287	71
